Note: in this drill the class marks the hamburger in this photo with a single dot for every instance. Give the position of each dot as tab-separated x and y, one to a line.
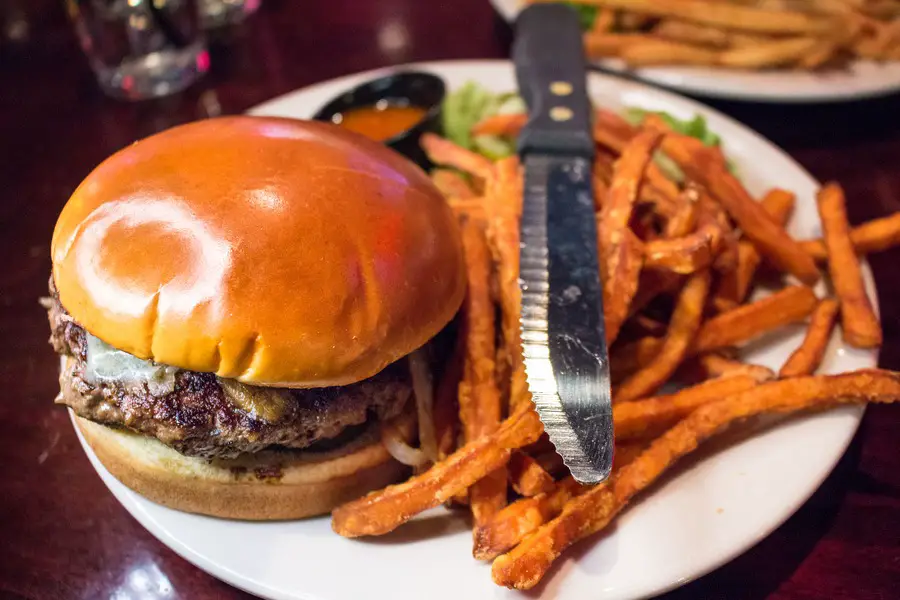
243	308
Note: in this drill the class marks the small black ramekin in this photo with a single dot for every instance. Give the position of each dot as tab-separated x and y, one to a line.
413	88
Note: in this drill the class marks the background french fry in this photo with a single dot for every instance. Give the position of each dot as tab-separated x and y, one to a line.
662	52
770	54
685	31
743	34
741	18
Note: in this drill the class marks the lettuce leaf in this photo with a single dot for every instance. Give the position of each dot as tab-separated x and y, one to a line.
469	104
586	15
695	127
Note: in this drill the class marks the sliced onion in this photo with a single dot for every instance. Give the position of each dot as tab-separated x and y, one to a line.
423	389
395	443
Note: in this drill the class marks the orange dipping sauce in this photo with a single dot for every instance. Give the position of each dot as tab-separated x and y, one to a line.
381	121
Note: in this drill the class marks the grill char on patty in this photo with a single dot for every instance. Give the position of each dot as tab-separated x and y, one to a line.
197	419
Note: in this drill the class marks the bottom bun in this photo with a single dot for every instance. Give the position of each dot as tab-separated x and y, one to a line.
268	485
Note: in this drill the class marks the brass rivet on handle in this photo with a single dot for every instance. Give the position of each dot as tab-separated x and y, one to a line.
560	113
560	88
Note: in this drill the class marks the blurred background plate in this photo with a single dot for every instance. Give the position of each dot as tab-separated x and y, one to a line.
713	507
861	79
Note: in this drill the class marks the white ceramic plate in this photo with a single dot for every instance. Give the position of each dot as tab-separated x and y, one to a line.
861	79
715	508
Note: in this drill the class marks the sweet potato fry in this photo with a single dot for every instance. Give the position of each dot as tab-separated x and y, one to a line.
619	248
479	397
682	222
779	204
806	359
770	239
505	193
716	365
789	305
652	284
487	496
513	523
657	191
627	359
527	476
874	236
509	526
630	260
470	208
683	328
683	255
383	511
734	286
611	130
552	463
508	125
649	326
727	259
526	564
648	417
452	184
442	151
858	320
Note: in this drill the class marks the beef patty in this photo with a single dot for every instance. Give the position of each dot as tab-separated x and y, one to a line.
199	417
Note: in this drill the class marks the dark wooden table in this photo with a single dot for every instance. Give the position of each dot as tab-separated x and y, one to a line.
62	535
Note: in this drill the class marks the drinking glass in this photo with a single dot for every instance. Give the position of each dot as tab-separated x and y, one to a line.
141	48
218	13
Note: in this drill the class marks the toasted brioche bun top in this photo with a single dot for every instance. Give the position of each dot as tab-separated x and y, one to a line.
272	251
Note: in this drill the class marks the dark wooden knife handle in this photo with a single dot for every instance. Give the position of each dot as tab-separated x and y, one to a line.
550	69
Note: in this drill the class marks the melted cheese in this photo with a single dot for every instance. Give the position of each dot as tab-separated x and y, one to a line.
263	403
107	364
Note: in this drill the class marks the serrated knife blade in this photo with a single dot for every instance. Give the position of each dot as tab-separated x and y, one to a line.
563	341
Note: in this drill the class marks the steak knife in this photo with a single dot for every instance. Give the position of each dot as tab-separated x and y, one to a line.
563	339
